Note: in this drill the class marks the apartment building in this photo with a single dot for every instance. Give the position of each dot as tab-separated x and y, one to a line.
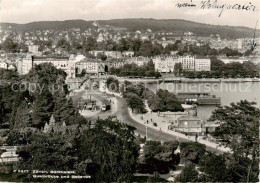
34	49
91	66
202	64
109	54
165	64
139	61
65	63
189	63
128	53
115	63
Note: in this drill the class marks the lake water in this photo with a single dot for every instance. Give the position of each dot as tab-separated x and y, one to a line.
228	92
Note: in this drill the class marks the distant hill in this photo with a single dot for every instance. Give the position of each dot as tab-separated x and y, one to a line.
177	26
48	25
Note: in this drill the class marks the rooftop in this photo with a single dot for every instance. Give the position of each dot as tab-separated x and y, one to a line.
37	58
90	60
189	118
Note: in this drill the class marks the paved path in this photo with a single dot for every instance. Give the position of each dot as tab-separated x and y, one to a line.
124	114
155	133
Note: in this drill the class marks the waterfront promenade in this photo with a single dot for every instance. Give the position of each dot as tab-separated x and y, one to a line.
189	80
161	127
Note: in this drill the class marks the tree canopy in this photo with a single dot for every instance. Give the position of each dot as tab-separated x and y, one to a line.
239	130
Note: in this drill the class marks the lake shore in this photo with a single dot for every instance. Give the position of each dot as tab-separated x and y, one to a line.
188	80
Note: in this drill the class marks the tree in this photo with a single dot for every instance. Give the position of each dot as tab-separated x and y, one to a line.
217	65
91	44
229	52
63	44
113	84
192	151
137	45
172	47
101	56
8	75
248	52
21	108
177	69
169	100
42	107
188	174
155	178
214	168
249	69
10	46
155	103
135	102
47	152
159	157
109	150
239	130
146	49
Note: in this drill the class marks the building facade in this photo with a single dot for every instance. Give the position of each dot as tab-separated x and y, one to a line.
139	61
165	64
202	64
34	49
113	54
190	124
115	63
91	66
189	63
65	63
24	65
128	53
228	60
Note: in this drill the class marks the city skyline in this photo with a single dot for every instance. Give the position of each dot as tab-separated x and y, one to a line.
26	11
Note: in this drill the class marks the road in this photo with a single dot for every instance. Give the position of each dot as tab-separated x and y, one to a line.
122	114
152	134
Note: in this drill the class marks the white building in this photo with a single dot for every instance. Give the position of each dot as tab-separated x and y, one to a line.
64	63
228	60
128	53
3	65
96	52
34	49
91	66
115	63
189	63
79	58
113	54
24	65
202	64
139	61
165	64
239	44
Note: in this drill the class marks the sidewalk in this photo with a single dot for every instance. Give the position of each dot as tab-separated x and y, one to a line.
177	134
162	126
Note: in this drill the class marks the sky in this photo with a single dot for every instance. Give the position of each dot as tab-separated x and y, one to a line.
25	11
